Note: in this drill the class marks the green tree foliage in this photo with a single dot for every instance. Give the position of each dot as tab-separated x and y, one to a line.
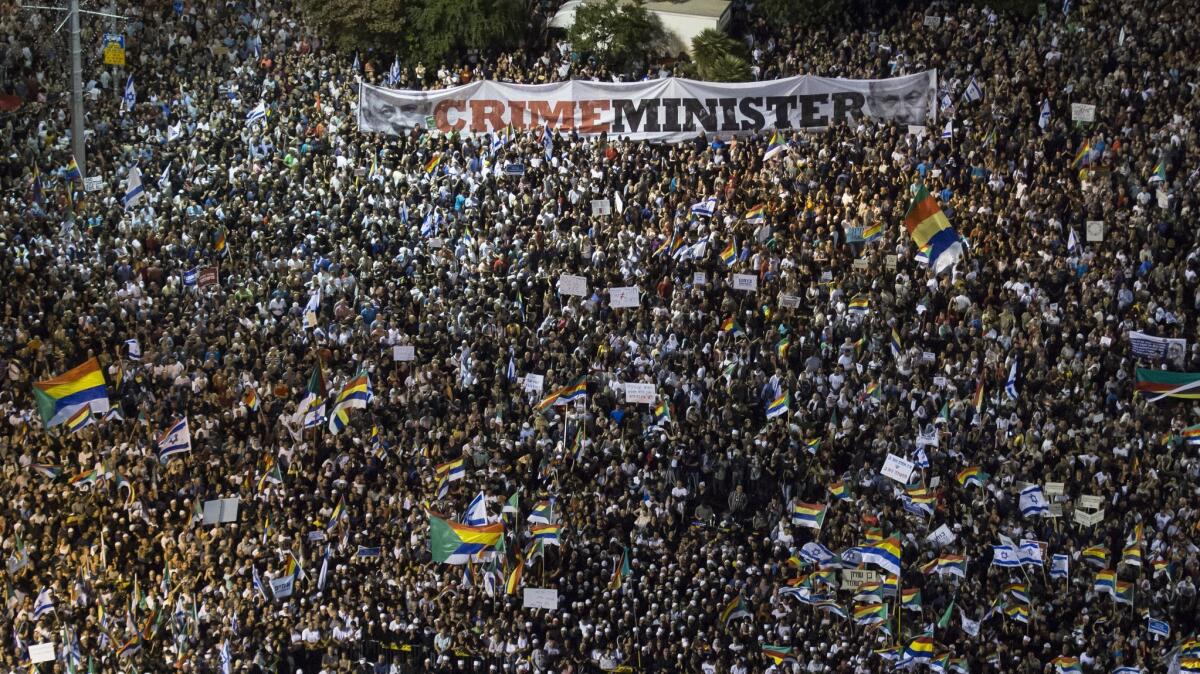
428	29
447	27
718	57
729	68
362	24
615	32
804	12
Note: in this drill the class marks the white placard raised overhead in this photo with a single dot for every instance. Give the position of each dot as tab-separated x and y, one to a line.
1089	519
93	184
942	536
1054	488
624	297
640	393
541	598
534	383
852	579
601	207
931	21
699	278
1090	502
897	468
221	511
41	653
570	284
789	301
404	352
1083	112
1094	231
748	282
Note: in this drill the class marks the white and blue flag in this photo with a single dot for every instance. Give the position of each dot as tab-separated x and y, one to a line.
134	193
175	440
129	98
258	112
1033	502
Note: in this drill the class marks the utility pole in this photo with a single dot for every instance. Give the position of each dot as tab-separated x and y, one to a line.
78	144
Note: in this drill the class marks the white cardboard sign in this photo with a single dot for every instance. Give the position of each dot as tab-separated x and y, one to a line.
534	383
541	598
1089	519
942	536
852	579
897	468
789	301
640	393
41	653
570	284
624	297
1095	230
221	511
699	278
601	207
747	282
1083	112
404	353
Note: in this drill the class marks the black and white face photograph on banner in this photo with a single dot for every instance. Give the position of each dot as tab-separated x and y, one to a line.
585	336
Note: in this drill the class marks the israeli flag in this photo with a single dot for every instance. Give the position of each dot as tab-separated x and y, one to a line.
922	459
43	604
314	302
259	112
1011	387
226	658
548	142
129	98
176	440
512	369
324	570
1060	566
134	348
394	73
258	584
164	181
134	193
1033	502
816	553
1005	556
948	132
705	208
476	514
1044	117
357	64
974	92
1030	553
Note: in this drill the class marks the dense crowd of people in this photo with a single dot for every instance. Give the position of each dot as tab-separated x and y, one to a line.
687	540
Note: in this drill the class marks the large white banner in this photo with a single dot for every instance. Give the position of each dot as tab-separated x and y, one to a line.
669	109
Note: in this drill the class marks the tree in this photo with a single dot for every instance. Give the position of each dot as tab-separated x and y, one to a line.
712	49
805	12
447	27
361	24
615	32
729	68
428	29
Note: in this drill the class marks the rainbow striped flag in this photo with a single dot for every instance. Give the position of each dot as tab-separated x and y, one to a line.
729	253
910	598
432	164
546	533
927	225
514	578
860	304
873	233
1105	581
973	475
1191	435
1067	665
80	420
977	399
782	346
870	614
811	515
730	325
839	491
61	397
620	572
780	405
778	654
1096	554
756	215
734	610
775	147
454	543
